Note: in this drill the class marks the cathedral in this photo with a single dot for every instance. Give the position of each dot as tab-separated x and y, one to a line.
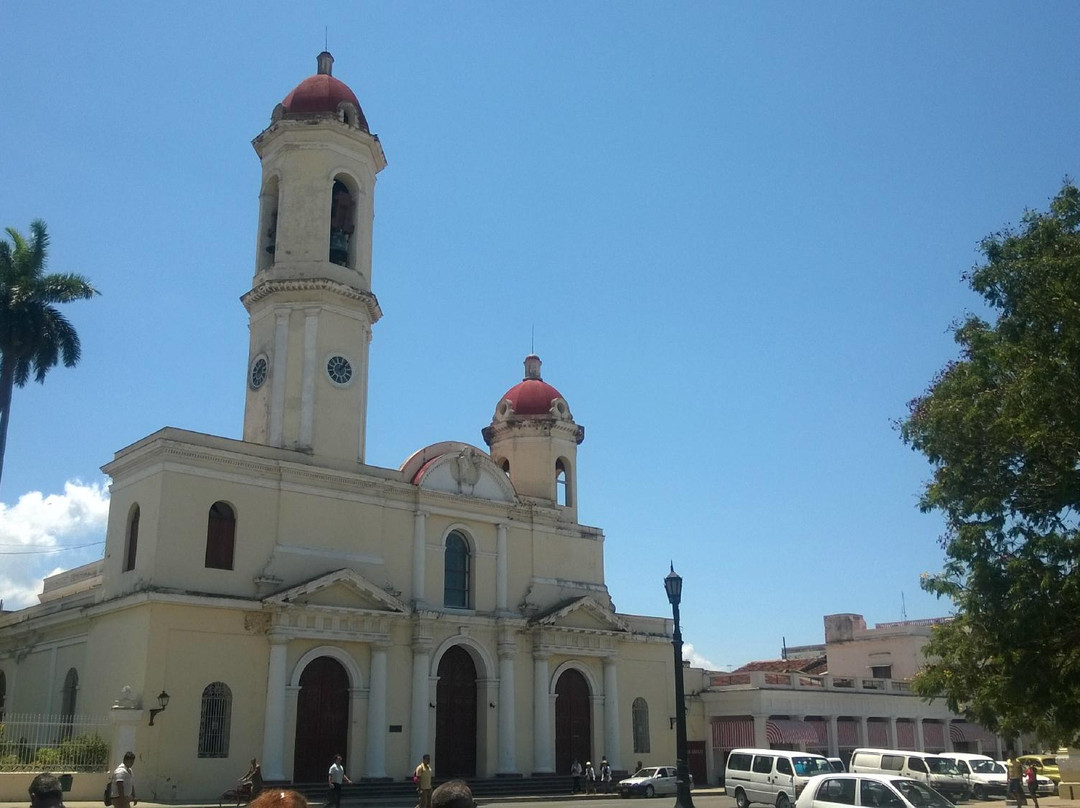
277	597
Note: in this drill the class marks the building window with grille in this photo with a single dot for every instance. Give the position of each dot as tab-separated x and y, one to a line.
456	572
220	537
640	717
214	720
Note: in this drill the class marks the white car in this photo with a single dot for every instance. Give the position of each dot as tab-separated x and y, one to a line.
649	781
871	790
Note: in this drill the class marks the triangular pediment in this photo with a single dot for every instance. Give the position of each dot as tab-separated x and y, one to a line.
341	589
581	613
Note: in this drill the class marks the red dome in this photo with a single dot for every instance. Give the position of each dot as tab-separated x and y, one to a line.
322	93
532	397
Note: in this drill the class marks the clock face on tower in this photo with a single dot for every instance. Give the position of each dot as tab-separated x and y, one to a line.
338	369
257	374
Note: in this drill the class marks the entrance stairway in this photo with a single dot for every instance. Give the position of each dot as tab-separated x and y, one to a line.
403	792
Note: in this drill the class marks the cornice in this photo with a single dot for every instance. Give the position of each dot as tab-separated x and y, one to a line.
295	286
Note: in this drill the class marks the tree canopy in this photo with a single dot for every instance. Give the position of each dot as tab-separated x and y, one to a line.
34	335
1001	428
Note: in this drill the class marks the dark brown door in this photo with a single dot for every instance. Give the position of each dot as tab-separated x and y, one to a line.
322	719
573	722
455	718
695	761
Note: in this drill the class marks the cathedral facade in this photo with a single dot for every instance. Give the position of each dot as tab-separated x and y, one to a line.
295	602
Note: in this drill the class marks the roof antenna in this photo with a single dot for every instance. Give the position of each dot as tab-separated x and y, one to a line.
903	607
325	38
532	340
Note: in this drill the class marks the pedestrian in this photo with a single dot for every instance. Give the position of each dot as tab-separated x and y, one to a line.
590	778
1032	777
1014	771
637	768
335	778
123	783
422	778
605	775
575	776
46	792
453	794
252	782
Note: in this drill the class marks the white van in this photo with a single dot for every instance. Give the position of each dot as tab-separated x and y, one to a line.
770	776
937	771
986	776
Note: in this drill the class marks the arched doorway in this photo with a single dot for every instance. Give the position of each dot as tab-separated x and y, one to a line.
573	721
322	719
455	718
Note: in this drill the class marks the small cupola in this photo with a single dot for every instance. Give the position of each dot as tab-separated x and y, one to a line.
533	438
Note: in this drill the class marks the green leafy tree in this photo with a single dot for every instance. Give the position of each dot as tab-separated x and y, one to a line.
34	335
1001	428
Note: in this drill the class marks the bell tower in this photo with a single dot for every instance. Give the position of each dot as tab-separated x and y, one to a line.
533	438
310	306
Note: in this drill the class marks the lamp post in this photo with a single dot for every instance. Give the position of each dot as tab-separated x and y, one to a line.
673	586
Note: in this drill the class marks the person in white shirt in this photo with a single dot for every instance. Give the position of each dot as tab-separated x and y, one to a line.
123	783
335	777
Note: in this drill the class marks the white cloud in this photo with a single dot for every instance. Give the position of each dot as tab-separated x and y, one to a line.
33	526
696	659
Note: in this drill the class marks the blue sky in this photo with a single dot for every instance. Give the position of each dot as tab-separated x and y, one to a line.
737	230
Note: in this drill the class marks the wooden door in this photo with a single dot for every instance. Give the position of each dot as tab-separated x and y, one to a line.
322	719
573	722
455	716
695	761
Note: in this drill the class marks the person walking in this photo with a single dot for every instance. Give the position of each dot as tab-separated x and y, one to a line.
575	777
1032	777
1014	771
605	776
46	792
123	783
422	778
334	778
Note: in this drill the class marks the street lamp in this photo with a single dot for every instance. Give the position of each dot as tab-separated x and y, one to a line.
673	586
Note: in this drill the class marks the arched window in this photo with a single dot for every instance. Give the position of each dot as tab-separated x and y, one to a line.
342	224
562	482
131	542
456	572
220	537
505	466
3	693
67	702
215	717
640	712
268	214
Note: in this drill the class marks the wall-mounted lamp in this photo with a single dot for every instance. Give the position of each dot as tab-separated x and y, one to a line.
163	700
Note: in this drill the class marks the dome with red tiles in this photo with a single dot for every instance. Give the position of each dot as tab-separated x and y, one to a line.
322	93
532	396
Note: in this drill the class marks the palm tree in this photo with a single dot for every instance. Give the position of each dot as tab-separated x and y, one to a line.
34	336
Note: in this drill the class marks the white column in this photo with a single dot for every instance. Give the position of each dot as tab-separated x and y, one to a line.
920	739
761	737
892	731
418	731
307	378
864	731
611	713
501	575
375	765
280	360
542	757
125	720
834	740
507	718
419	567
273	753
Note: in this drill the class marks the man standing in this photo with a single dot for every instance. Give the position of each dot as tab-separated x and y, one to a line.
605	775
575	775
123	783
334	778
422	776
1014	771
45	792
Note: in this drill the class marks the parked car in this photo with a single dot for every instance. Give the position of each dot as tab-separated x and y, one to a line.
871	790
650	781
770	776
986	776
938	772
837	764
1046	765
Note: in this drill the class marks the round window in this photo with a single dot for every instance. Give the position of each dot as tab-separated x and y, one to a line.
338	369
257	375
